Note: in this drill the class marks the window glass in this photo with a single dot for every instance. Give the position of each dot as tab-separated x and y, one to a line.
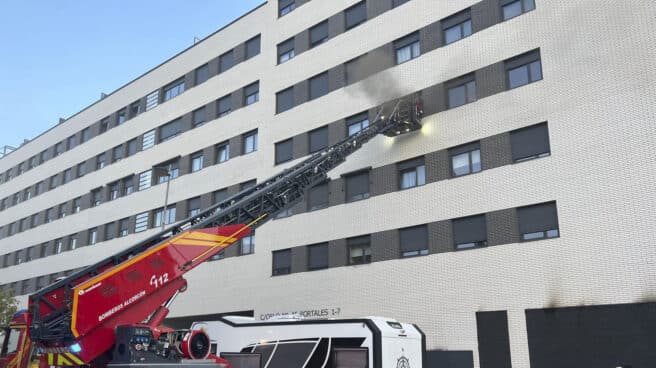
524	74
412	173
247	245
286	50
252	93
407	48
250	142
465	159
515	8
222	152
356	123
359	250
193	206
120	117
462	94
197	161
252	47
174	90
285	7
356	14
458	31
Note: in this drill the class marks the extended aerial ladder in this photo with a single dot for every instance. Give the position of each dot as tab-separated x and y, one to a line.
75	321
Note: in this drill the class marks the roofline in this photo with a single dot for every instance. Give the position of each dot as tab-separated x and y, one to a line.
139	77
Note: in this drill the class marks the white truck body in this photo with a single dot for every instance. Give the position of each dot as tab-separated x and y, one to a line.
370	342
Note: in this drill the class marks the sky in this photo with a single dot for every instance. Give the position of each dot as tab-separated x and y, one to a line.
57	56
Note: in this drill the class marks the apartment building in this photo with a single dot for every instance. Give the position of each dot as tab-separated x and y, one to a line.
516	228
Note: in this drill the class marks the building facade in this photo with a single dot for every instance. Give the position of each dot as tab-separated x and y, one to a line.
528	193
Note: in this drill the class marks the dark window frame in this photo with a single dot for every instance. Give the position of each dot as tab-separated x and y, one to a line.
318	253
461	21
412	250
471	241
201	74
252	51
351	11
417	166
525	7
469	149
173	89
279	158
350	177
465	82
286	267
285	51
530	62
319	33
529	230
361	243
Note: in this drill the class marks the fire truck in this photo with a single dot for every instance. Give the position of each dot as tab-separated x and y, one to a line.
112	312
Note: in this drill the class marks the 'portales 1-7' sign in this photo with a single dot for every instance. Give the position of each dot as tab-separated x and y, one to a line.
305	314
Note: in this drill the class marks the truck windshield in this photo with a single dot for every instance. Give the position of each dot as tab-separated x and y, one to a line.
12	342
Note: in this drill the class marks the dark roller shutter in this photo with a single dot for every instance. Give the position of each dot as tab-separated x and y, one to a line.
356	14
469	229
284	151
282	259
318	256
357	186
226	61
357	118
530	141
410	164
540	217
396	3
286	46
318	139
224	105
253	47
318	33
360	240
285	100
523	59
456	19
318	196
169	130
318	86
464	148
219	196
407	40
283	3
413	238
194	203
252	88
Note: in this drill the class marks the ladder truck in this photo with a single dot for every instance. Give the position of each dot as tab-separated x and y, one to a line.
111	312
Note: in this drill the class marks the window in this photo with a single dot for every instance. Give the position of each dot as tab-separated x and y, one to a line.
461	91
121	117
104	126
81	169
469	232
514	8
145	179
100	161
285	7
318	139
77	204
59	148
54	182
318	256
96	197
319	34
27	194
33	162
152	100
282	262
359	249
353	70
251	93
224	106
356	123
44	154
169	216
284	100
197	161
286	50
457	27
170	130
148	139
219	196
247	184
70	144
523	69
407	48
113	191
127	185
72	243
530	143
222	152
252	47
226	61
93	236
193	206
357	186
84	136
174	89
356	14
59	246
396	3
20	169
250	142
110	231
68	175
318	197
465	159
117	153
284	151
131	147
201	74
38	188
61	210
135	109
247	245
414	241
123	227
3	204
34	220
141	222
538	221
318	86
199	117
412	173
166	170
